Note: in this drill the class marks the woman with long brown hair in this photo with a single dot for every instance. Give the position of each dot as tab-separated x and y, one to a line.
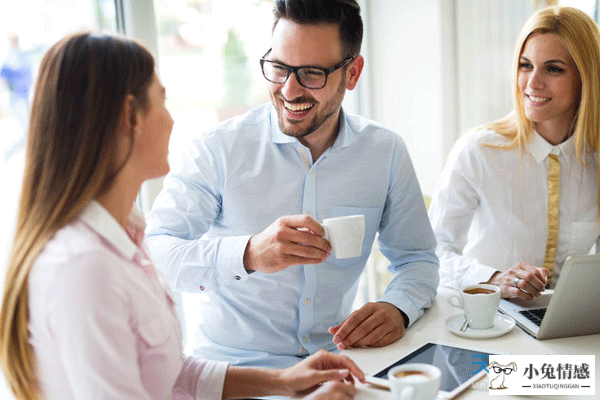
84	313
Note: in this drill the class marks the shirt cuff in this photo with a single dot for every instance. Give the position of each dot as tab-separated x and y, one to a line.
230	259
200	379
481	274
211	380
403	303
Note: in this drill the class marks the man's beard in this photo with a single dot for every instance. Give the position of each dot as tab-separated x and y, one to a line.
318	120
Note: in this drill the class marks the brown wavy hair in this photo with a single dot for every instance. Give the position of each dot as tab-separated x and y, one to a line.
79	96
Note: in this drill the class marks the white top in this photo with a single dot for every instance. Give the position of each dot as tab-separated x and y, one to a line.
489	210
103	325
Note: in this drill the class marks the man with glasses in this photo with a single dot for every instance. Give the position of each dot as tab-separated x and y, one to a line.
240	220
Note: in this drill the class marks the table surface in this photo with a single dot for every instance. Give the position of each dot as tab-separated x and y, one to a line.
431	327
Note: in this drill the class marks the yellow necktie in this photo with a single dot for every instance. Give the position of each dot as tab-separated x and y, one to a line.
553	196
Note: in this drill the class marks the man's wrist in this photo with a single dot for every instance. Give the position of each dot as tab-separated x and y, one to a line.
246	259
404	316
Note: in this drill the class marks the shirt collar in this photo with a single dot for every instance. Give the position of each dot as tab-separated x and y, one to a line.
103	223
539	148
345	137
276	135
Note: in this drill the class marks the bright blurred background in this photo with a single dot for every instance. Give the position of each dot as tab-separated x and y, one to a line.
433	70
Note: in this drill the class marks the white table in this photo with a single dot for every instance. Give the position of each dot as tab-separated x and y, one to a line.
431	327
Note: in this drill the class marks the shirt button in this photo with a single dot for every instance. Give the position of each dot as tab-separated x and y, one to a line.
304	339
307	301
201	287
237	277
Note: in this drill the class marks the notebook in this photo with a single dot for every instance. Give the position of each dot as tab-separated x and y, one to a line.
571	309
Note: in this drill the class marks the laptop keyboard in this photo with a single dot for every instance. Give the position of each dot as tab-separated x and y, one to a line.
534	315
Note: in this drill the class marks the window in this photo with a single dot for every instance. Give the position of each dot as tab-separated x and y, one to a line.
589	6
208	60
208	52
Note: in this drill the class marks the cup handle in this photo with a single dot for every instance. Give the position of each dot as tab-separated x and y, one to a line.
453	297
407	393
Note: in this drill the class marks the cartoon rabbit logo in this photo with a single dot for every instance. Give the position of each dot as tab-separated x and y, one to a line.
502	371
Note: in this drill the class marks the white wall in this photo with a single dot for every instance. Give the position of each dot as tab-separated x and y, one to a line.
486	35
439	68
406	60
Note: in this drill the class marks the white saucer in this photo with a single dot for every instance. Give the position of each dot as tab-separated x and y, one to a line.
502	325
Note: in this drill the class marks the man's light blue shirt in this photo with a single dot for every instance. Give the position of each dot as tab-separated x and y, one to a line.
238	178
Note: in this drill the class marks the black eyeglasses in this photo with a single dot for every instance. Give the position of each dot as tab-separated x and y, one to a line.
499	370
309	77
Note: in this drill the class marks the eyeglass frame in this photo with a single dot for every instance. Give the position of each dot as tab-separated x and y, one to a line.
290	69
499	370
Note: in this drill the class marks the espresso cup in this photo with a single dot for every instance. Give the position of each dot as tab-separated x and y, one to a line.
414	381
345	234
480	303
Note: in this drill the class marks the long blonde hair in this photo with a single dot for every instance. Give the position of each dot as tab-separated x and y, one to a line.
580	35
79	96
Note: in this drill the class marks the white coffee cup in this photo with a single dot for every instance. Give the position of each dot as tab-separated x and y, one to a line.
480	303
345	234
414	381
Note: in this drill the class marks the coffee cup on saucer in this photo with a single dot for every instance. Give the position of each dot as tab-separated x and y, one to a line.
414	381
480	304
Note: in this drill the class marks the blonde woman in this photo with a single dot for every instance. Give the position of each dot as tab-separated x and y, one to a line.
84	314
490	209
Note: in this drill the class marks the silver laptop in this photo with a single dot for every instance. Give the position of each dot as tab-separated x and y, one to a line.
571	309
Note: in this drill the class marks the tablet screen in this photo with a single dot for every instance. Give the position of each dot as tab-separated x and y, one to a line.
457	365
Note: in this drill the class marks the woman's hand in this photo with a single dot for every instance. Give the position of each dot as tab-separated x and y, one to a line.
333	390
522	280
323	375
308	377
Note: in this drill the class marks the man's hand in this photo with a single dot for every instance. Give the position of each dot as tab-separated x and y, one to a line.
290	240
531	283
374	324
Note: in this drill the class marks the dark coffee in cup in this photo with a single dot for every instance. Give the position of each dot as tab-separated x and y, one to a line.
478	291
404	374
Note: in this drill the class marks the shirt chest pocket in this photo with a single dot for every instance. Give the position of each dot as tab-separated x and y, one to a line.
372	219
154	332
160	350
157	324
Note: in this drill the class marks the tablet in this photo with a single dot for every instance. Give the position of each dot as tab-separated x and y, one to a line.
460	367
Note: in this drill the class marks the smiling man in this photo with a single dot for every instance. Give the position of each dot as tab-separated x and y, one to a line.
240	220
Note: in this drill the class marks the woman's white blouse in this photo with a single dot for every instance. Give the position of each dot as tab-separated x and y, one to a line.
489	210
102	324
